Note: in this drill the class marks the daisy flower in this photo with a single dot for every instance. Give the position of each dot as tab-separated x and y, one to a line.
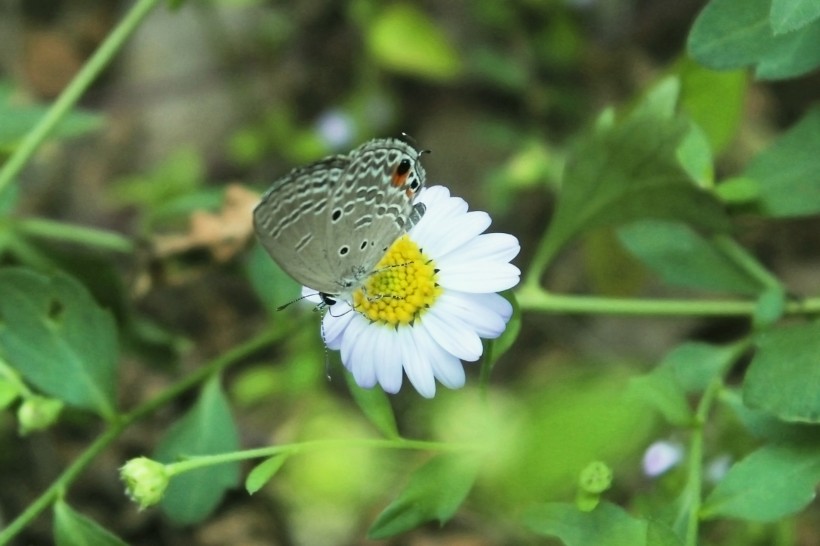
429	302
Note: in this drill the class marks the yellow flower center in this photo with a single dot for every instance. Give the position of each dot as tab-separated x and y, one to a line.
402	288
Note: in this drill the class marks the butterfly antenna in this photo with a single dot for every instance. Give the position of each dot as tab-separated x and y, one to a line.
291	302
408	139
327	353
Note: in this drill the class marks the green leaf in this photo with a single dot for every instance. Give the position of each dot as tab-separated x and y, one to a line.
263	472
606	525
786	172
19	118
683	257
494	348
785	372
714	100
434	493
629	171
273	286
58	338
660	390
205	430
770	307
9	392
403	38
788	15
375	405
773	482
74	529
764	425
730	34
738	191
695	156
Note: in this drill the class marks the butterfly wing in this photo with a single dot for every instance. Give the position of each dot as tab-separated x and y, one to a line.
292	217
371	206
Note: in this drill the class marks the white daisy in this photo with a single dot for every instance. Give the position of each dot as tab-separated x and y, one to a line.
432	298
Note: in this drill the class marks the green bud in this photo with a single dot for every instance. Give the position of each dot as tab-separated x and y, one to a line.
38	413
594	480
145	481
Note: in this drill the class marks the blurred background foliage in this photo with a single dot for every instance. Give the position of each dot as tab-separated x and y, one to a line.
221	96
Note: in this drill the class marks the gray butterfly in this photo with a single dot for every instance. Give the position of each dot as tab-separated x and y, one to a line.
329	223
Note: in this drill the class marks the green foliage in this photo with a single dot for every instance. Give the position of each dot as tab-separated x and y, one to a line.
731	34
784	374
74	529
207	428
59	339
19	118
772	482
629	170
682	257
404	39
607	525
263	473
376	407
434	493
786	172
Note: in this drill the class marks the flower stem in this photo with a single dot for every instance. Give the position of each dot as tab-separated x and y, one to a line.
536	299
116	428
61	231
691	500
74	90
201	461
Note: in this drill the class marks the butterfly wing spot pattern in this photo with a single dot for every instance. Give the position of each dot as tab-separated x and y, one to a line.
329	223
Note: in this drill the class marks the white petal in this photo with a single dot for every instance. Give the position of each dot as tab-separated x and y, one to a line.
334	326
492	277
441	209
449	370
389	370
357	353
416	365
489	247
455	233
487	314
452	334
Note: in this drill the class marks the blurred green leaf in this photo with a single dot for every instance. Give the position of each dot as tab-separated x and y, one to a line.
206	429
787	171
683	257
714	100
771	305
263	472
59	339
695	156
738	190
403	38
660	390
695	364
629	171
20	118
789	15
785	372
9	392
273	286
375	405
730	34
773	482
764	425
74	529
434	493
498	68
495	348
606	525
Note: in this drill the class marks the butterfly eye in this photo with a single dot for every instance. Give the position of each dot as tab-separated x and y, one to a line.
403	167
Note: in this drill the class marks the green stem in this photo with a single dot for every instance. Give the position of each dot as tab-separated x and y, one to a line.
74	90
117	427
690	507
544	254
60	231
746	261
200	461
536	299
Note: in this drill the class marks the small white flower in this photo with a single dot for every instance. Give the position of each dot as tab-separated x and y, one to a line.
660	457
336	128
430	301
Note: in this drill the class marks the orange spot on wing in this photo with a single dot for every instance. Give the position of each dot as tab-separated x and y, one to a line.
398	180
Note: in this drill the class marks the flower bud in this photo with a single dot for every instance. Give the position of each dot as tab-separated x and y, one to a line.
38	413
145	481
